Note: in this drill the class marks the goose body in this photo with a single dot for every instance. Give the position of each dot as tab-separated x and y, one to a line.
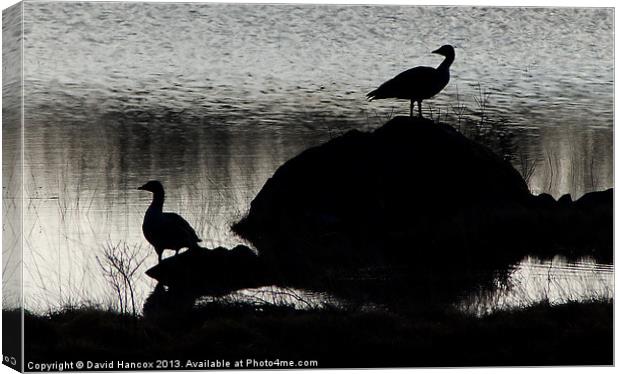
419	83
165	230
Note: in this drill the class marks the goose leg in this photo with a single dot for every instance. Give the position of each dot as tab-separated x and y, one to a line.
177	252
420	108
411	109
159	252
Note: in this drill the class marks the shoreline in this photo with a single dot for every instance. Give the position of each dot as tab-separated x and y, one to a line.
568	334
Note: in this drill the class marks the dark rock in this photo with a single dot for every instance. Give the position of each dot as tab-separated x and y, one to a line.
593	201
413	194
573	229
593	224
543	201
565	199
380	181
211	271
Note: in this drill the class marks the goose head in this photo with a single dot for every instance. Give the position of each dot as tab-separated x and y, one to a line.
445	50
153	186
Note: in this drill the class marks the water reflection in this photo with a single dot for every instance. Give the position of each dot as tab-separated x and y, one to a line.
555	281
531	282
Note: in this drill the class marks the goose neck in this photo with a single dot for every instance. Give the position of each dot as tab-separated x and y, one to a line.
158	201
445	65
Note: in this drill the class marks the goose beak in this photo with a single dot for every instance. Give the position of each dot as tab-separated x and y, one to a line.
436	51
141	188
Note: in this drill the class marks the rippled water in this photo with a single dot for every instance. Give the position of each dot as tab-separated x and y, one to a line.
555	281
212	98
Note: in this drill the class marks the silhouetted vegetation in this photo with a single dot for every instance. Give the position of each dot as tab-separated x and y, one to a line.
119	264
571	334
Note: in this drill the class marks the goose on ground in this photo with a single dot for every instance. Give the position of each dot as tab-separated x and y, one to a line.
165	230
419	83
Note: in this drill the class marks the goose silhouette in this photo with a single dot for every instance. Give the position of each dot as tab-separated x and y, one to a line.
165	230
419	83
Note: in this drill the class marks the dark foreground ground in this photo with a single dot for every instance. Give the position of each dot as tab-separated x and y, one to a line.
570	334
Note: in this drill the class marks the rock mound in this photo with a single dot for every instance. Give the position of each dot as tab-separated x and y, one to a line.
401	195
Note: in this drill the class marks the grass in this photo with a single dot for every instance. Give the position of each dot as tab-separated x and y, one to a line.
527	166
535	282
568	334
119	264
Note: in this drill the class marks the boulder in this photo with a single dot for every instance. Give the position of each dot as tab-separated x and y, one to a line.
411	194
215	272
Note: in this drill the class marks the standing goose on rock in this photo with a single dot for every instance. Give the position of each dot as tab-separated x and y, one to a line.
165	230
419	83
